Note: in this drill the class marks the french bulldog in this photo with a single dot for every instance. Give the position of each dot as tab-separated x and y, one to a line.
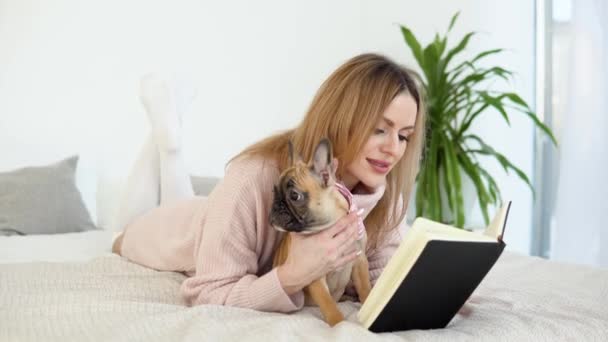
307	200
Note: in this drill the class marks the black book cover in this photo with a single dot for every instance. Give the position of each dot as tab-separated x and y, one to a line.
442	279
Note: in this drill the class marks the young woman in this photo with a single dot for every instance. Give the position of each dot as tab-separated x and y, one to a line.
372	111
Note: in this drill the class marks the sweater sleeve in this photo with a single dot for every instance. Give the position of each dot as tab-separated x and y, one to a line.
226	257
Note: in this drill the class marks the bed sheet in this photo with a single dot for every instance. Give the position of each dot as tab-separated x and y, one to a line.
108	298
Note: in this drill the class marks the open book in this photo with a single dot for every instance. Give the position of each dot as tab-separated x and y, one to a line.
432	274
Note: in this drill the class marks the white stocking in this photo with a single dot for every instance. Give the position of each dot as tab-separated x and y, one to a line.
160	105
159	176
142	191
175	180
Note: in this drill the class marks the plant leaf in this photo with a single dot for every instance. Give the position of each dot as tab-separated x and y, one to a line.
434	192
439	45
500	72
414	45
518	100
506	164
431	69
492	187
454	73
495	102
421	191
486	53
453	21
468	120
472	171
463	44
541	125
471	63
454	189
482	74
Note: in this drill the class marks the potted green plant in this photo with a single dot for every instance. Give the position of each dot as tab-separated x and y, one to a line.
455	98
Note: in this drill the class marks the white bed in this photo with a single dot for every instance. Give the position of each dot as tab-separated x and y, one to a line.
89	294
74	247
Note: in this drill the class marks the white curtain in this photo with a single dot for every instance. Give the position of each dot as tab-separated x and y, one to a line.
580	229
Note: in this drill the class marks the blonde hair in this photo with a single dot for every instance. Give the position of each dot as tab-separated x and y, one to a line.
346	109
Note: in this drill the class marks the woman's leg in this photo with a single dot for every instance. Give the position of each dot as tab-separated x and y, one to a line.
159	176
165	104
142	190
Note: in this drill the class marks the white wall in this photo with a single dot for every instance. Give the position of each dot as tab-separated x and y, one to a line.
69	74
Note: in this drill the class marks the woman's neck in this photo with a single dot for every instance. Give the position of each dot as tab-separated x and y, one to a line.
350	182
355	186
359	188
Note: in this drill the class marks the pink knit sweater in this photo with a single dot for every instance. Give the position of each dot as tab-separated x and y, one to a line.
224	244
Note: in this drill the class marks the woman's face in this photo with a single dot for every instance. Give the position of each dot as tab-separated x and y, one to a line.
385	146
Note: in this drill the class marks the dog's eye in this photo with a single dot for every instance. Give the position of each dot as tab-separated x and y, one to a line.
295	196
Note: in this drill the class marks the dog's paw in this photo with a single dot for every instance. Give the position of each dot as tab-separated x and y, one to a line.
334	318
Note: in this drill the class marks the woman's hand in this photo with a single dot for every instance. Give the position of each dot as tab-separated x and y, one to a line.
313	256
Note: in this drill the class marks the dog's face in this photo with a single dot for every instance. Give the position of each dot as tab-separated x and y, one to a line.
305	198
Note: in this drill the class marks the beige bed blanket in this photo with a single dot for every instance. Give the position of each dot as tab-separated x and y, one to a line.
110	299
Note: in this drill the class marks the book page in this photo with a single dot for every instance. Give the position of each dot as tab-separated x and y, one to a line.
394	272
497	227
439	231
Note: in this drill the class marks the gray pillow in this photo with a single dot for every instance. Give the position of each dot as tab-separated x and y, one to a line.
42	200
202	186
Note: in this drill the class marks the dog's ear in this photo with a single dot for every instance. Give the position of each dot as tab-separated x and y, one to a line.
334	165
294	157
322	161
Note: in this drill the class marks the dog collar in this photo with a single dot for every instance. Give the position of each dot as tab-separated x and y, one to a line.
347	194
352	207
